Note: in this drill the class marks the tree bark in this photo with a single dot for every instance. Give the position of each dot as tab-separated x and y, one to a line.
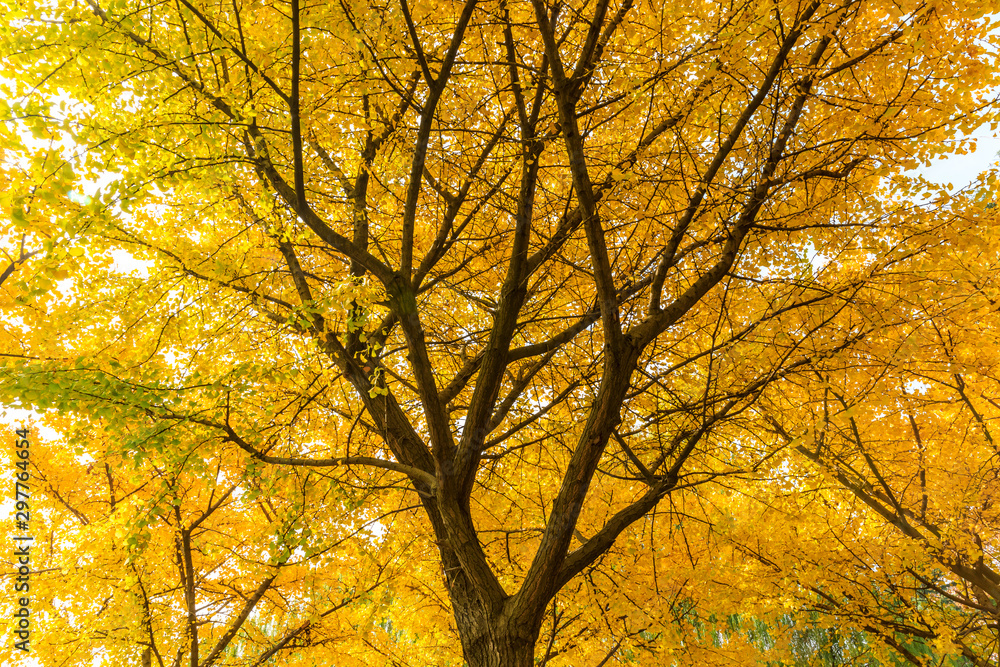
497	643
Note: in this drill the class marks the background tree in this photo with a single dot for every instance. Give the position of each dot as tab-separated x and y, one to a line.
913	445
554	287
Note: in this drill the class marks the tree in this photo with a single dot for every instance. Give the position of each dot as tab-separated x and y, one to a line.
534	301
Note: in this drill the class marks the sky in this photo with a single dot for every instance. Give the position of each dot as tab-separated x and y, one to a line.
961	170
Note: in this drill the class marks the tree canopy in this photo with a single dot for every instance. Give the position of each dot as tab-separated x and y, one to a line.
503	333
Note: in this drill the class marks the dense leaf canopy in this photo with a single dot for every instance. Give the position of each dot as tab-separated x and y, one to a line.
503	333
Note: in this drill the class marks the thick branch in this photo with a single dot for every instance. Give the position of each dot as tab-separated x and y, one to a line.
238	622
413	473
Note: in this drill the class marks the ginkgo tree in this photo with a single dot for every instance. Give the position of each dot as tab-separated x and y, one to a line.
502	332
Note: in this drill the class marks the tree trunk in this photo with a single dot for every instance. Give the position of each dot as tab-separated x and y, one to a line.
495	647
490	637
496	638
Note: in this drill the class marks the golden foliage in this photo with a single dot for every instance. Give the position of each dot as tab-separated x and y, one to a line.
606	332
